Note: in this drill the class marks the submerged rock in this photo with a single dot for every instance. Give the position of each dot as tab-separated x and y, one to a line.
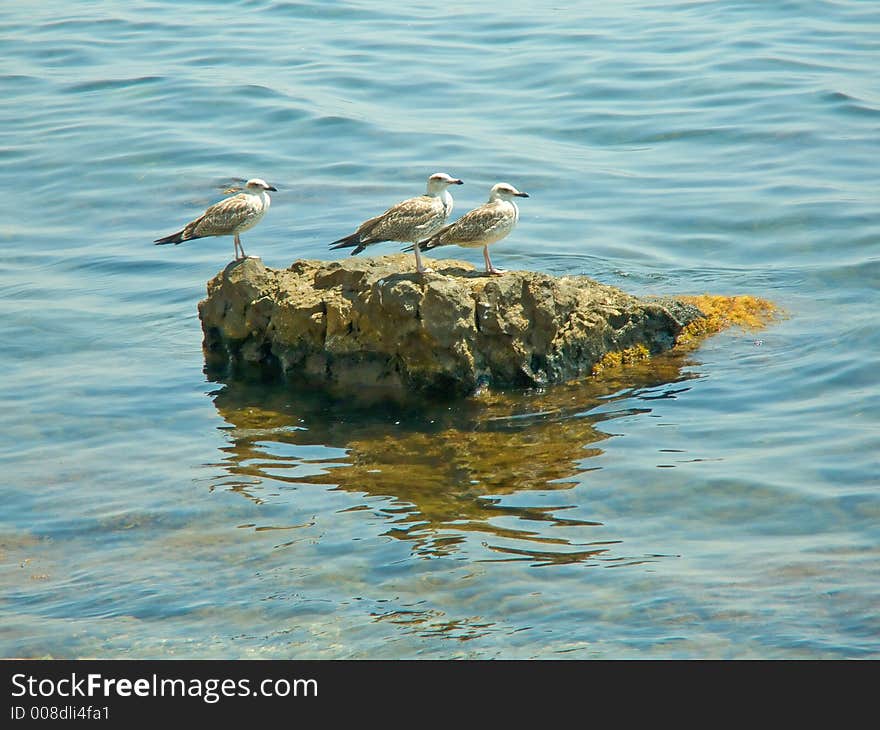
371	322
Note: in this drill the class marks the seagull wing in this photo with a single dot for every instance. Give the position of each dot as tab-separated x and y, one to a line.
404	221
221	218
471	228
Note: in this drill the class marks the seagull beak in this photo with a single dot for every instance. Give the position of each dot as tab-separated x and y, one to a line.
521	195
272	188
458	182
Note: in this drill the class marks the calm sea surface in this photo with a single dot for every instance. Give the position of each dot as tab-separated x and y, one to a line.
724	504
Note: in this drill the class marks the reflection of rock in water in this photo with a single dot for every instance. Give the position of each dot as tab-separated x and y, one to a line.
447	466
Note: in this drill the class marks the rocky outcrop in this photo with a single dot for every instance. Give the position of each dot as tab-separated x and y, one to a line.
360	323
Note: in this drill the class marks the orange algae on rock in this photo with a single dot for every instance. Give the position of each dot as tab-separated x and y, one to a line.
629	356
721	312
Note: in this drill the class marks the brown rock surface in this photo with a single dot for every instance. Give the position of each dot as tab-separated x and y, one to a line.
360	323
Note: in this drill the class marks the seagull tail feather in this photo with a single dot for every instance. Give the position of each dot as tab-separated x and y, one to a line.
173	238
348	242
428	244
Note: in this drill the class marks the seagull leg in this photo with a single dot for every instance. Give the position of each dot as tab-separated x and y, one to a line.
421	269
489	268
239	248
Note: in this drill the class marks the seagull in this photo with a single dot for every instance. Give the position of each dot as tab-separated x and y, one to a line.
409	221
229	217
482	226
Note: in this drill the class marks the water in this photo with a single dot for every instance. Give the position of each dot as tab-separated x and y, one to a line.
724	504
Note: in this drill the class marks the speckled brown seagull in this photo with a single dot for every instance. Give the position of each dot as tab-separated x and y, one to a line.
482	226
409	221
229	217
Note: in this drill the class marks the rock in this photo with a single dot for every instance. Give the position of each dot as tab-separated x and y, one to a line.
360	322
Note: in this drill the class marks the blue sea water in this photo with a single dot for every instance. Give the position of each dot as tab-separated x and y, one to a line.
725	507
